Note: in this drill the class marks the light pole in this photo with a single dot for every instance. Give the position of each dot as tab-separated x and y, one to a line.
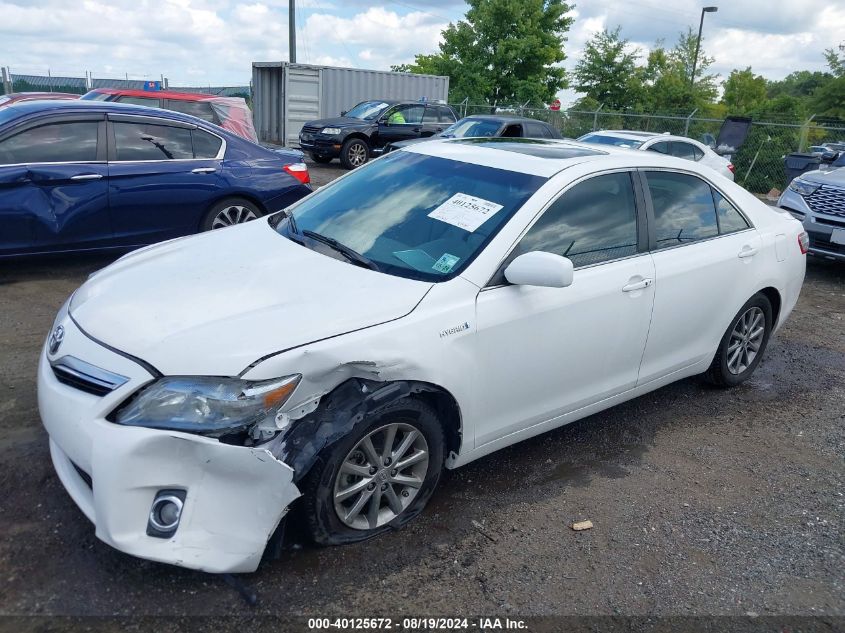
698	41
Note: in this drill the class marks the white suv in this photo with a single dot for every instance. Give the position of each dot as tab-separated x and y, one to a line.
427	309
679	146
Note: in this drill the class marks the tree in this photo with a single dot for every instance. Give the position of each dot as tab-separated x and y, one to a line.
504	51
801	83
606	71
836	61
744	91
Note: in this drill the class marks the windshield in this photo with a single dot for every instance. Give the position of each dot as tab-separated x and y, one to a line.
603	139
471	127
367	110
414	216
95	96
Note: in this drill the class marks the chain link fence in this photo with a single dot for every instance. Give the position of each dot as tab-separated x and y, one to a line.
759	163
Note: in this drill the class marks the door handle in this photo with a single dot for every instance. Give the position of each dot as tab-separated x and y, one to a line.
637	285
204	170
87	177
747	251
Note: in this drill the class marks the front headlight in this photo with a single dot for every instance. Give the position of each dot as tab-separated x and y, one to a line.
331	131
803	187
208	406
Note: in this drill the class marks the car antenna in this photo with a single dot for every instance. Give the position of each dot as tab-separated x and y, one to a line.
248	595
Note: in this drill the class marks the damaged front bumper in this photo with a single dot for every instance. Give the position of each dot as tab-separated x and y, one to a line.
235	496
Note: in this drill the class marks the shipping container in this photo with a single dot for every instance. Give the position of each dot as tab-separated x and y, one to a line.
287	95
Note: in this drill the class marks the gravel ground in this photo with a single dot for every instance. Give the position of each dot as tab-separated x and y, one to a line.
703	501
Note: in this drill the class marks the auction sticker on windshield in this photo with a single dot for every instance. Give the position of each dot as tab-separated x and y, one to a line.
465	211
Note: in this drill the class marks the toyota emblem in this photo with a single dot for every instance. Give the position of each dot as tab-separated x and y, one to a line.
56	338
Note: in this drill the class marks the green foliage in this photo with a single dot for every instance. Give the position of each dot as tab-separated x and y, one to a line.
801	83
504	51
836	60
829	100
744	91
606	71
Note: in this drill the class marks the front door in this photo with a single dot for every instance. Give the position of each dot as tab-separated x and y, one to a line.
163	178
544	352
53	186
400	123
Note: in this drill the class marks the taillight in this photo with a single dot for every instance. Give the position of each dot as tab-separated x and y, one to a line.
299	171
803	242
731	168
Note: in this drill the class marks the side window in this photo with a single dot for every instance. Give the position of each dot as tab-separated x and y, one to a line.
144	141
200	109
683	208
406	114
446	114
661	148
205	145
144	101
730	220
593	222
682	150
513	131
430	115
70	142
535	130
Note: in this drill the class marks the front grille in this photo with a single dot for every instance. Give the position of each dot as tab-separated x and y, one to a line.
310	129
86	377
83	475
824	245
828	200
837	223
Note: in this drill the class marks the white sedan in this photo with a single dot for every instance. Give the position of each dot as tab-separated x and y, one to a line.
422	311
679	146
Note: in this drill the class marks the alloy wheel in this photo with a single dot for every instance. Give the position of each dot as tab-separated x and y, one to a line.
357	154
745	340
381	476
236	214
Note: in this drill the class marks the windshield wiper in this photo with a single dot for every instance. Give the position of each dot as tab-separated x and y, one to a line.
352	255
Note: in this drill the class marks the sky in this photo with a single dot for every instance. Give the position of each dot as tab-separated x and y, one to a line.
214	42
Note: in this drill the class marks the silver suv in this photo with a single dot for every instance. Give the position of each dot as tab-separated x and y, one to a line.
817	199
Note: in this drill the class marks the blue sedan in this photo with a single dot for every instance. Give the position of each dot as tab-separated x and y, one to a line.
88	175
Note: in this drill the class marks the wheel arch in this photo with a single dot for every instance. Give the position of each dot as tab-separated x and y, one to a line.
232	195
774	298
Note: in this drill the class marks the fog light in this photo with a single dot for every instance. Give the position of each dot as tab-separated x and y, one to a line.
165	513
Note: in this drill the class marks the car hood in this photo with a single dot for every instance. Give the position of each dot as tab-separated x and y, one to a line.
214	303
339	121
414	141
835	177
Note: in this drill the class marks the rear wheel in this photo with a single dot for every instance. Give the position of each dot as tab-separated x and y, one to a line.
743	344
354	153
230	212
321	159
378	477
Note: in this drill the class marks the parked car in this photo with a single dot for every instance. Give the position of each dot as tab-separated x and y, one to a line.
485	125
441	303
230	113
364	130
18	97
817	199
679	146
84	175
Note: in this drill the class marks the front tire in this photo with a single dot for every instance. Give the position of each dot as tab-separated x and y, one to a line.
743	344
377	478
354	153
229	212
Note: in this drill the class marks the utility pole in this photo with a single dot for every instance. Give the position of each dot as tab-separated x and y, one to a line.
698	41
7	80
292	30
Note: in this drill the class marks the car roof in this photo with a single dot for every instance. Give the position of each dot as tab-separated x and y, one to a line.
510	118
546	157
158	94
56	106
635	135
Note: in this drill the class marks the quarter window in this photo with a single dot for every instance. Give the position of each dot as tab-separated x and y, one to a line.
730	220
683	208
70	142
683	150
593	222
446	114
144	141
430	115
205	145
661	148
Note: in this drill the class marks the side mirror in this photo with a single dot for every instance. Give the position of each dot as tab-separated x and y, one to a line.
540	269
343	112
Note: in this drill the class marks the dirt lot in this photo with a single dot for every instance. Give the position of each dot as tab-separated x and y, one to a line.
704	501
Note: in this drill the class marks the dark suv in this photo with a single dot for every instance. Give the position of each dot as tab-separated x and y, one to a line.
364	130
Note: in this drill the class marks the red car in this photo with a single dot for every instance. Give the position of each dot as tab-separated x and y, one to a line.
17	97
230	113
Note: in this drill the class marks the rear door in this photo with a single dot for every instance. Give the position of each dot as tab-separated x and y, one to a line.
431	121
53	185
706	259
164	176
